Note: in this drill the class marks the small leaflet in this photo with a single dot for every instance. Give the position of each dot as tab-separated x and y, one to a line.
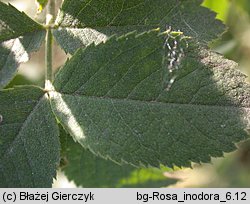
174	47
41	5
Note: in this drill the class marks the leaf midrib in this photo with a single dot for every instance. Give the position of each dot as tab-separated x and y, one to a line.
108	27
156	103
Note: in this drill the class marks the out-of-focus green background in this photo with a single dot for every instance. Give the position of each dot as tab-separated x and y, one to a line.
234	169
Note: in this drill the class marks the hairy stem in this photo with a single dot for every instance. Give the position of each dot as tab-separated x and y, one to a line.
49	44
48	57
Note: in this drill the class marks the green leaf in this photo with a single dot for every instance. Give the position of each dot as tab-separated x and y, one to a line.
84	22
19	36
16	51
29	143
221	9
112	99
14	23
19	80
88	170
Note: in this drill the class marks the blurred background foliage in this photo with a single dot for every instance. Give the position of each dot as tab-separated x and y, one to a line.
235	43
231	171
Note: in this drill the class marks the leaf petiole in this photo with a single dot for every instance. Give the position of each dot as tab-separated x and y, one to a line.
49	44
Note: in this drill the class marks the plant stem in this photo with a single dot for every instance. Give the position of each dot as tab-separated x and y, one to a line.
49	44
51	8
48	58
